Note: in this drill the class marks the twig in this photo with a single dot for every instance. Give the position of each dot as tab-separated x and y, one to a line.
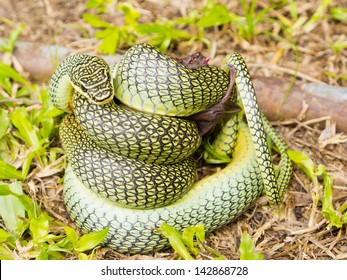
307	230
21	101
334	155
287	71
325	249
301	124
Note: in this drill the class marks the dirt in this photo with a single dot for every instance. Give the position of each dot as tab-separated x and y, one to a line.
294	230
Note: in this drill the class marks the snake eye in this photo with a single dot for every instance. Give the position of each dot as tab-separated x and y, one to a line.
83	88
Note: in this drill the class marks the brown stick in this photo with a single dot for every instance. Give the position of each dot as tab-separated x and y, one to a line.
322	100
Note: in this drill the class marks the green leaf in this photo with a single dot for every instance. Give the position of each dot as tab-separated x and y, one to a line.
163	33
44	117
63	245
95	21
304	162
97	4
6	254
43	253
4	235
71	235
91	240
39	227
53	255
216	15
200	232
27	163
247	249
131	15
47	251
317	15
344	218
8	171
20	119
8	72
10	42
83	257
6	84
328	210
11	208
188	237
321	170
14	35
4	122
150	28
94	4
339	13
176	240
25	200
343	208
110	40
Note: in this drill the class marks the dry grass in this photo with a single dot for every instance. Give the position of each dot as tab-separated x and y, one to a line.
295	230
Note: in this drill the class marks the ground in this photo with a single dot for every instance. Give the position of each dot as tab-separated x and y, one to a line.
294	230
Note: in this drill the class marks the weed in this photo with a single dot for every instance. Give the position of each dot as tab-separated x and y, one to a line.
160	33
339	45
163	32
16	31
247	249
319	14
27	126
336	218
189	243
99	5
22	216
192	242
339	13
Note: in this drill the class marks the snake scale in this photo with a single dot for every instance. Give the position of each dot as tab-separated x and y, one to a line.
129	141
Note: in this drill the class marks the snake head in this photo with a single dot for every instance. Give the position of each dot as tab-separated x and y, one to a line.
92	78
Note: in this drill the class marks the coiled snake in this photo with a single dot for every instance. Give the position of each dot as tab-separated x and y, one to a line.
130	159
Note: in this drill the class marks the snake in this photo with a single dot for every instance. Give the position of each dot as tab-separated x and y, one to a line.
130	145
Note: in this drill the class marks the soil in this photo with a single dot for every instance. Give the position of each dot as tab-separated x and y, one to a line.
294	230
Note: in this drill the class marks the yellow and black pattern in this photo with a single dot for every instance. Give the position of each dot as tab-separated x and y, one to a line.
128	182
213	201
286	164
137	135
248	98
150	81
125	189
224	143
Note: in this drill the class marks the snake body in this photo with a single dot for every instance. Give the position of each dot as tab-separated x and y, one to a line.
129	182
133	193
137	135
148	80
213	202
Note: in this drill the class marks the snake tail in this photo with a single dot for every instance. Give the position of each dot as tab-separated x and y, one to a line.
248	98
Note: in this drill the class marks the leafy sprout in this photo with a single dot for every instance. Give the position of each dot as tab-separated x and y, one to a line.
189	243
247	250
335	217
